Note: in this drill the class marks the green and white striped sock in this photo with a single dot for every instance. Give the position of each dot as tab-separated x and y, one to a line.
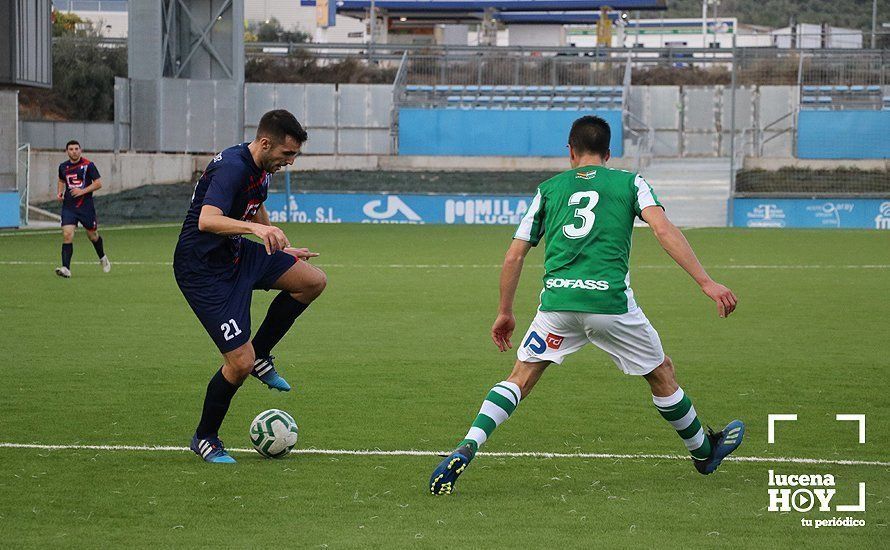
678	410
499	404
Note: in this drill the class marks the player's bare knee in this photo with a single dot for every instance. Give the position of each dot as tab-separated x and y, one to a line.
662	379
313	288
241	361
526	375
319	283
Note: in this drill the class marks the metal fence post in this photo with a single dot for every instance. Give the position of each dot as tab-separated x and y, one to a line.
732	114
287	198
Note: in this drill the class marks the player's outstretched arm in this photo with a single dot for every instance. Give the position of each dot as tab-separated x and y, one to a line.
676	245
503	326
212	220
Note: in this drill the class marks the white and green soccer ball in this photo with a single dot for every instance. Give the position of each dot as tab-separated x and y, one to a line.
273	433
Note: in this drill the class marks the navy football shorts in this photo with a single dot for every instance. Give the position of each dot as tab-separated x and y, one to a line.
222	303
85	215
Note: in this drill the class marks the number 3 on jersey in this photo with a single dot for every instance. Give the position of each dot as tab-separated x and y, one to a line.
585	213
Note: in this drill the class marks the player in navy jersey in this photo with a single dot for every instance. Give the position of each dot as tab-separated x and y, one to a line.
78	179
217	269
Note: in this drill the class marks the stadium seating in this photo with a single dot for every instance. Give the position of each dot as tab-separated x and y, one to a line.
839	97
531	97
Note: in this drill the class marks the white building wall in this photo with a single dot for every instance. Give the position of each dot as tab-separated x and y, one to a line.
292	15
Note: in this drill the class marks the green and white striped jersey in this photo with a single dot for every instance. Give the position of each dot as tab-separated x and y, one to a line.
586	217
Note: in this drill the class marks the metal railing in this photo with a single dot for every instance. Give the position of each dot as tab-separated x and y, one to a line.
23	179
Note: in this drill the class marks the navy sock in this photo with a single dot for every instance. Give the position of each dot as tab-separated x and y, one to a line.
283	311
67	252
100	248
216	405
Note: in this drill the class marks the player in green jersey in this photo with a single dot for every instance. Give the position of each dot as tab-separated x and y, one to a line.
585	216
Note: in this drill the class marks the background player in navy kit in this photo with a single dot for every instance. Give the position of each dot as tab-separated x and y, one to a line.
78	178
217	270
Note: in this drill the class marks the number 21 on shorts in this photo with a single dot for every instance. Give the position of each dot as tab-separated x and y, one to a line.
230	329
585	213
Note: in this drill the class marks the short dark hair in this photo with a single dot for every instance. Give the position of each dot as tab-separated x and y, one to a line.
280	123
590	134
72	142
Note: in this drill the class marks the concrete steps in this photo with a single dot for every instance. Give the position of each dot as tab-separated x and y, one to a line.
694	191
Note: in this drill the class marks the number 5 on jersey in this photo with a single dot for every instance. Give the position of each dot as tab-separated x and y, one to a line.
585	213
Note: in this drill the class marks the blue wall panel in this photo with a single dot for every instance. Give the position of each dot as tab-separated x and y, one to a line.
9	209
403	208
814	213
843	135
495	132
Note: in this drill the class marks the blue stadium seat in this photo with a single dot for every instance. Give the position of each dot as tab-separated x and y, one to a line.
825	88
559	99
517	89
457	88
412	88
526	109
442	88
574	99
873	88
562	89
589	100
824	99
604	99
528	99
483	99
808	99
426	88
531	89
472	88
857	88
501	89
607	89
486	88
468	98
810	88
576	89
513	99
842	88
453	99
545	88
499	98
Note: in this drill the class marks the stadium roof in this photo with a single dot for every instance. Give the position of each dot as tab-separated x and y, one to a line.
443	6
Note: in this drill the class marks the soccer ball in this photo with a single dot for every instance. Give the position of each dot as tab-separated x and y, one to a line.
273	433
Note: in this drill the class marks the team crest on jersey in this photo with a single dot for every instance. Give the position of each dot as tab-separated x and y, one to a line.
252	206
554	340
586	175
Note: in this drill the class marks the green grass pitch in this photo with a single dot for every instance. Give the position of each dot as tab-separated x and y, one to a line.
396	356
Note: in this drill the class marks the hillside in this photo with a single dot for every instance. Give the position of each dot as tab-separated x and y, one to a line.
854	14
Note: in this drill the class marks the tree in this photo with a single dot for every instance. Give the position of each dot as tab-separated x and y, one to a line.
68	24
272	31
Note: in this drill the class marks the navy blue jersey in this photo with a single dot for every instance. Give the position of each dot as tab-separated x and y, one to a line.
80	174
233	183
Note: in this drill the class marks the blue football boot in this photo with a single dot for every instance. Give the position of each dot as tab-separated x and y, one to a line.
722	444
446	473
211	449
264	370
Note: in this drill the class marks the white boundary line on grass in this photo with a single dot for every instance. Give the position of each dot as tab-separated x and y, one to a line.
487	266
350	452
25	232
